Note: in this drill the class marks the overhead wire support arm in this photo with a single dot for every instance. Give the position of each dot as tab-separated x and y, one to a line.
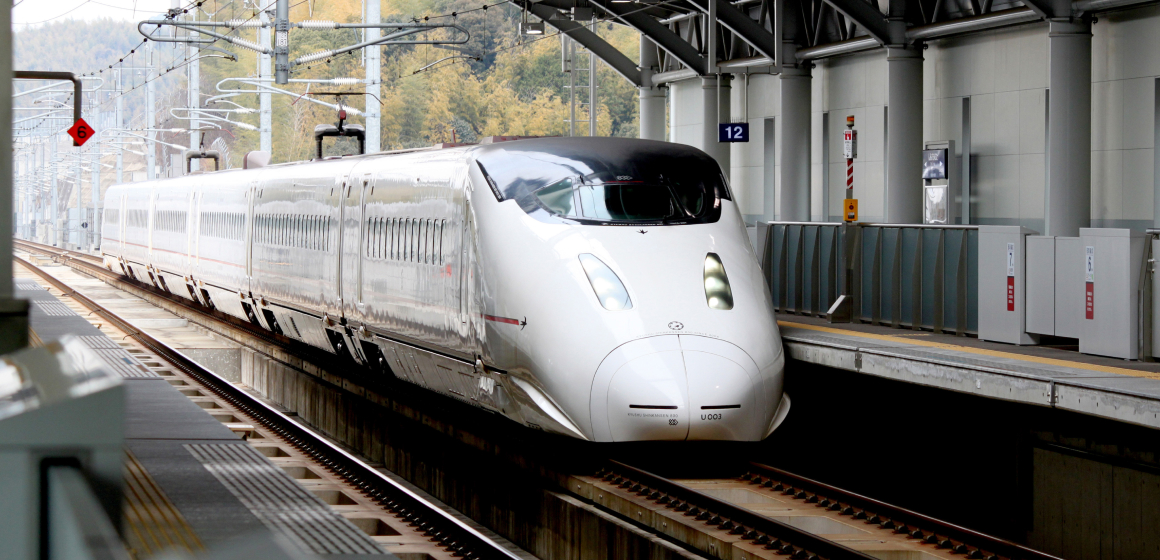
58	76
198	40
388	40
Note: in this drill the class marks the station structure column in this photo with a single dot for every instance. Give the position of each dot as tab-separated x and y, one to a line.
715	108
652	97
903	194
1068	198
796	137
372	115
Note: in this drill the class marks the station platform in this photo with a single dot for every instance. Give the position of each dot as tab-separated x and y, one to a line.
1120	390
191	482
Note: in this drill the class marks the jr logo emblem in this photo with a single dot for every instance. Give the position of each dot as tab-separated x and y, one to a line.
676	325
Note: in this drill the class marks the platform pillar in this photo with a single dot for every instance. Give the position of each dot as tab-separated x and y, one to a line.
13	312
715	109
652	98
903	195
796	138
1068	197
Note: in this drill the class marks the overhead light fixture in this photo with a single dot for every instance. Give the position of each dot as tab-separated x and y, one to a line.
531	28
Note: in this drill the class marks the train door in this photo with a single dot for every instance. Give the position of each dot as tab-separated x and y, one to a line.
121	225
251	196
190	232
332	284
468	280
361	253
195	231
149	223
351	236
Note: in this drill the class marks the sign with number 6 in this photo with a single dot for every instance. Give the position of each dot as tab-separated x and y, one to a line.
80	132
733	132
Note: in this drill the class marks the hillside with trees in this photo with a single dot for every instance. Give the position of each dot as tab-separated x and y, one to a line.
512	86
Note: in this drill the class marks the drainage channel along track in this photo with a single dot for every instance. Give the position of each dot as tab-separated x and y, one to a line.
403	521
763	513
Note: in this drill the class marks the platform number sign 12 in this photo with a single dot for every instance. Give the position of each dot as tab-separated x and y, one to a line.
1089	304
733	132
80	132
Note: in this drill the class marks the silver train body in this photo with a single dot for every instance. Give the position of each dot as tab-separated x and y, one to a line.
604	289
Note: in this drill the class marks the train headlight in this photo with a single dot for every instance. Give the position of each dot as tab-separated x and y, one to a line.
607	285
717	292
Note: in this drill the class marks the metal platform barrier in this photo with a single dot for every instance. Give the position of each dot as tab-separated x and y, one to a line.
901	275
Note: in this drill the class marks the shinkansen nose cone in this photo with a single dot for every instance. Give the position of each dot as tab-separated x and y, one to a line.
678	387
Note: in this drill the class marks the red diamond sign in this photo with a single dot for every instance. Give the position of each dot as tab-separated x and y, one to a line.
80	132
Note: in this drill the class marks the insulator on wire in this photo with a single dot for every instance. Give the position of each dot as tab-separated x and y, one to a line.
243	23
316	56
346	81
317	24
246	44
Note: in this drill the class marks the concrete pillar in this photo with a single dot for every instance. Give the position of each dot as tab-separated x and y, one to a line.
80	201
796	139
119	119
55	210
1156	154
903	195
372	116
715	109
265	71
1068	198
93	232
150	112
652	98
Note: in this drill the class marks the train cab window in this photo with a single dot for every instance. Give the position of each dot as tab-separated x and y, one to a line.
608	183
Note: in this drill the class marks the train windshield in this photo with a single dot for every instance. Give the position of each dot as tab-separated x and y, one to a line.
608	182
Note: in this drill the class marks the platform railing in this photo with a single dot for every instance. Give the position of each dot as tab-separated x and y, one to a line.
912	276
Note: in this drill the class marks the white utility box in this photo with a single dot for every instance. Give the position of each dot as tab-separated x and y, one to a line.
1040	284
1002	279
1111	260
1068	286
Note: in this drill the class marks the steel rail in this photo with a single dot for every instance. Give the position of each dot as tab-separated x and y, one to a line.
773	534
762	530
438	524
919	526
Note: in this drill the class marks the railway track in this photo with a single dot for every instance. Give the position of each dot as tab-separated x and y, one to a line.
406	518
763	513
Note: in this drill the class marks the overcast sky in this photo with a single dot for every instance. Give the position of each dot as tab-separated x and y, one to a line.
28	12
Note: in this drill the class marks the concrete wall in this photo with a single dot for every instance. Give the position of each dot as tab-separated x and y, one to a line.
1125	63
1005	75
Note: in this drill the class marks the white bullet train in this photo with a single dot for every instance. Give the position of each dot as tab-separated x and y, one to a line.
600	288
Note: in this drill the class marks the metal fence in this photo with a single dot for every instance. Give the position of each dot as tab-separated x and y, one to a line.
901	275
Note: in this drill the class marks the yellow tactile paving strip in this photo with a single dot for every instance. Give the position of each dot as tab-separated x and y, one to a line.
977	351
152	523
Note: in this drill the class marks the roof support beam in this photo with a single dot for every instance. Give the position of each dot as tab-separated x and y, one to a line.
868	17
741	24
601	48
657	32
1041	7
